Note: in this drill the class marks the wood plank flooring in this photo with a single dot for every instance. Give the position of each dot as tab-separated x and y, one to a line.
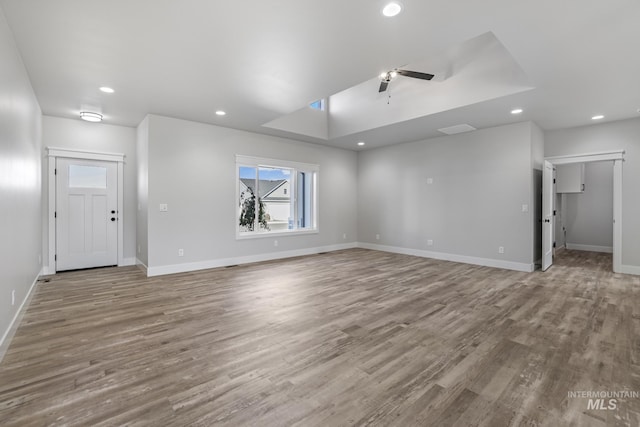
347	338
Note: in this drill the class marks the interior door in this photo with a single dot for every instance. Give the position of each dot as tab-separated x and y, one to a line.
547	215
86	214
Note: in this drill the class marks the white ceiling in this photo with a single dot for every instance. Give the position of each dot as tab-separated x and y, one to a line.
261	60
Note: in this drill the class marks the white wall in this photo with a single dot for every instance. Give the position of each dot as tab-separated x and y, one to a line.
20	195
620	135
142	160
588	216
192	169
481	180
81	135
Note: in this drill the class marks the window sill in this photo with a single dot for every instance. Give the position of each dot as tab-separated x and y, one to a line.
260	235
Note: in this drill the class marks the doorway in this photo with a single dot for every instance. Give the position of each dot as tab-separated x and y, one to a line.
548	197
85	209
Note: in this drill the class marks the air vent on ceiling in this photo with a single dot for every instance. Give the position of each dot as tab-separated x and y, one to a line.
452	130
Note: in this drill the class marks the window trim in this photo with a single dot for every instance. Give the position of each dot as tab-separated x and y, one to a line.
257	162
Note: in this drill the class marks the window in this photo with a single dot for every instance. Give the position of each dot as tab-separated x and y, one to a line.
317	105
275	196
87	176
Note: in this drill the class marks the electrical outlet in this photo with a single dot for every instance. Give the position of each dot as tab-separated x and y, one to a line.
39	259
138	248
164	207
525	208
377	237
344	235
275	243
180	252
13	297
429	242
501	249
429	180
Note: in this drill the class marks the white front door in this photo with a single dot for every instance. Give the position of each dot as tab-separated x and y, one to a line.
86	213
547	215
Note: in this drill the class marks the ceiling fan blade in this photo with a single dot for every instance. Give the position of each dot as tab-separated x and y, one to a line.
383	86
415	74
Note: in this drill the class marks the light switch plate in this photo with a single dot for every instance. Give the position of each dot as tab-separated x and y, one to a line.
164	207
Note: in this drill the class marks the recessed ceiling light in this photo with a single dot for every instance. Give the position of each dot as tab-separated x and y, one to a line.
106	89
392	9
598	117
516	111
361	143
90	116
220	113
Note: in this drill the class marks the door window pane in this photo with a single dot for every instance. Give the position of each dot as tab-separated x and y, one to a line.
81	176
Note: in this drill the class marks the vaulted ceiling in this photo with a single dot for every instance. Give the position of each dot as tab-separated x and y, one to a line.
263	60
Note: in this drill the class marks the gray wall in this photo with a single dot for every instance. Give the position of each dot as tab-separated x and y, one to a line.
20	196
481	180
192	169
537	160
620	135
81	135
142	159
588	216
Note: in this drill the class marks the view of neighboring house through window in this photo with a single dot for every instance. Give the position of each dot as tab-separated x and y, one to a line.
275	196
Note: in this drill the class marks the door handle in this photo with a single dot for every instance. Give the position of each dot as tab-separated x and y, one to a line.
113	219
112	212
546	220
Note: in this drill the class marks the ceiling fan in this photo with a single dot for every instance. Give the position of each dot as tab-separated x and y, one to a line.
390	75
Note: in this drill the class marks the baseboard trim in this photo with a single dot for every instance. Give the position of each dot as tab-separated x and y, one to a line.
224	262
5	341
486	262
142	266
630	269
127	262
46	271
590	248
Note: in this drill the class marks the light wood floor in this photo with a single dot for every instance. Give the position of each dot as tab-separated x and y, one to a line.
353	337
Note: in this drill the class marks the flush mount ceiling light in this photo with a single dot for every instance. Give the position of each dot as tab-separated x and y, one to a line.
361	143
106	89
392	9
90	116
516	111
220	113
598	117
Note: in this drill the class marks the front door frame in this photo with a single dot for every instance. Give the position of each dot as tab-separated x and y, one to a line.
53	153
618	158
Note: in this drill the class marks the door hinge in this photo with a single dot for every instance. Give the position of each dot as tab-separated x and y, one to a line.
55	214
55	171
554	244
55	257
554	180
554	212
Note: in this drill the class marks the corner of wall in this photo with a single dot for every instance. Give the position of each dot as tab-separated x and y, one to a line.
142	163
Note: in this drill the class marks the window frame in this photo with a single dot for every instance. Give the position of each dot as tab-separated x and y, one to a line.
295	167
